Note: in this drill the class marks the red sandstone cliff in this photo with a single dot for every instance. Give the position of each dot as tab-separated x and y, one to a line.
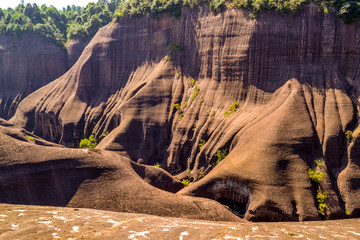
296	81
74	50
26	64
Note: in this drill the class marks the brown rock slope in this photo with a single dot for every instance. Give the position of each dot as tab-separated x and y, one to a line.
294	77
33	173
26	64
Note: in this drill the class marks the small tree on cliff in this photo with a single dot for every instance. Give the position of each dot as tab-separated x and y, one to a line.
88	142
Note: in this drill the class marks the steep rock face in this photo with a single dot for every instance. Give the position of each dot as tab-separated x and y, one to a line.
74	49
295	80
26	64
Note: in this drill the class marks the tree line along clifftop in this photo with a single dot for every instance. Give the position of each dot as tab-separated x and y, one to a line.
57	26
74	22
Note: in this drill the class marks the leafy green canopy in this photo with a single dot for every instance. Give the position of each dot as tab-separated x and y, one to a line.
88	142
75	22
347	10
55	25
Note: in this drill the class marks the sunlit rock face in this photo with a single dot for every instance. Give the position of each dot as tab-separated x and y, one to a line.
294	77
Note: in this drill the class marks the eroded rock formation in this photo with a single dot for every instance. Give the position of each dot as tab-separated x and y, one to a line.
40	173
74	49
26	64
294	77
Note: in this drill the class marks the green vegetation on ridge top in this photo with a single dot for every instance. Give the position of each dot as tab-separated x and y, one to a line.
347	10
58	26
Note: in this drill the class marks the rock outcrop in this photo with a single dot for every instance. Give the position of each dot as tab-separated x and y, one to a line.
277	92
26	64
39	173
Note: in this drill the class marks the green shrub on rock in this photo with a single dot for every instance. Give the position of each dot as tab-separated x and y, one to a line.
30	138
176	106
316	176
232	109
217	5
321	198
192	82
186	182
196	92
88	142
174	48
319	162
201	143
221	154
349	136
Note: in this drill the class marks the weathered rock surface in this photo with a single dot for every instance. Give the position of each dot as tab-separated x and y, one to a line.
26	64
30	222
36	173
295	79
29	63
74	50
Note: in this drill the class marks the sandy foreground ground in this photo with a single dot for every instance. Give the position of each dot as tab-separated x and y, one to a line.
37	222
